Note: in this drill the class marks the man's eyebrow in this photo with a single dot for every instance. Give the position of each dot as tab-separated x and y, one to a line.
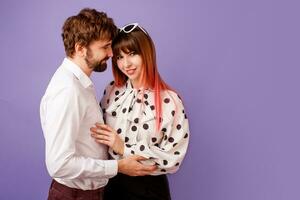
107	44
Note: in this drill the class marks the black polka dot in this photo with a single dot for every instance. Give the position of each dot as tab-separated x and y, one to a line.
175	144
179	97
103	110
161	119
142	147
156	144
117	98
186	135
126	139
166	100
124	110
146	96
104	92
171	139
111	83
163	170
154	139
173	113
177	164
132	152
100	104
166	137
185	116
131	91
178	126
128	145
133	128
183	111
176	153
114	113
115	153
146	103
130	109
164	130
107	101
117	92
145	126
152	107
119	131
165	162
136	120
138	100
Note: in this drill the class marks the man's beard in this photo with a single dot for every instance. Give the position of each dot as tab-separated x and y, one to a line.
97	66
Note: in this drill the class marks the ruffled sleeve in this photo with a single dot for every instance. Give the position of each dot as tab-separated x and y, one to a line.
167	148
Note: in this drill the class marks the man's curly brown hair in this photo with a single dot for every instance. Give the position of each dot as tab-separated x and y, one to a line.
89	25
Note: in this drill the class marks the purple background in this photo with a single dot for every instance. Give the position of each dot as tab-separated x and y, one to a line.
236	64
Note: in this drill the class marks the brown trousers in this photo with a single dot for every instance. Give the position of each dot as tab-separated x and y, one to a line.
59	191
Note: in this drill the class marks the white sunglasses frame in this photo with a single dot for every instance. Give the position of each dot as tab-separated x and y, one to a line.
135	24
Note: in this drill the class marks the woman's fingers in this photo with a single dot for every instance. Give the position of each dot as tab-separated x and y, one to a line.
100	131
101	137
103	142
104	127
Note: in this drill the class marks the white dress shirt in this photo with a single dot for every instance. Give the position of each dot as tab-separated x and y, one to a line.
131	113
68	110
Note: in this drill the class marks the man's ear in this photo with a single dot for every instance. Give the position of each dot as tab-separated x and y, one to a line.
80	50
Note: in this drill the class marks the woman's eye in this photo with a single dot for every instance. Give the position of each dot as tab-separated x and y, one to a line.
118	57
132	53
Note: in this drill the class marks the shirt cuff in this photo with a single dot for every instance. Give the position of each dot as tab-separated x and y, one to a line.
127	152
111	168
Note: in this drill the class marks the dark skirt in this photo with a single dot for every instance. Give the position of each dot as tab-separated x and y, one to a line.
137	188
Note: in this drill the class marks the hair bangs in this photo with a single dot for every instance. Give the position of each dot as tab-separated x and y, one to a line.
125	44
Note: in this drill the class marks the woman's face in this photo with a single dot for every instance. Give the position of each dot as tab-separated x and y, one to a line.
131	64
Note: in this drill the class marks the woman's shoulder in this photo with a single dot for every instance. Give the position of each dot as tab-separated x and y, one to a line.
111	89
171	100
169	96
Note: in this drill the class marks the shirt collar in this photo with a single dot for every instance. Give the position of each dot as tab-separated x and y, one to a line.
129	86
78	73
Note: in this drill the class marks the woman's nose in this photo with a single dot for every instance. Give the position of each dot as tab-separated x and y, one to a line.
127	62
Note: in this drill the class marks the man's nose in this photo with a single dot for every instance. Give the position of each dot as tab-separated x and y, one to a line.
109	52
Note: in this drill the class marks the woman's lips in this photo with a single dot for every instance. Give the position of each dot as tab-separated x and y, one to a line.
130	71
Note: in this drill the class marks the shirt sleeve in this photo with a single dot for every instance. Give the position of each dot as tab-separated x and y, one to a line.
62	115
168	153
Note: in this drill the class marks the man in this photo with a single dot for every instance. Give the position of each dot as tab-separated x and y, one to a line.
69	108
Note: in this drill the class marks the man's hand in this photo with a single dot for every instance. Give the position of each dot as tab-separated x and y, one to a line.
104	134
132	167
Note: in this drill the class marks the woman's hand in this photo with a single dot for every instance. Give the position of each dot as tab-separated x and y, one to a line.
104	134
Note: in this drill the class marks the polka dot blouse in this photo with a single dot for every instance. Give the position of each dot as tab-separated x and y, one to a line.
131	112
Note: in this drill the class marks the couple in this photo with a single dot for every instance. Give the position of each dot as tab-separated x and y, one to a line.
145	126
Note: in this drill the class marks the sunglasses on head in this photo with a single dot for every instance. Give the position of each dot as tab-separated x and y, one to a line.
130	27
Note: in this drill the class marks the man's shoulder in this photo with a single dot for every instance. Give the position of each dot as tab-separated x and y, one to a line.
63	80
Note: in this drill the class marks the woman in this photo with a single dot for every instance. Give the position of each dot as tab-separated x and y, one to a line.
144	116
